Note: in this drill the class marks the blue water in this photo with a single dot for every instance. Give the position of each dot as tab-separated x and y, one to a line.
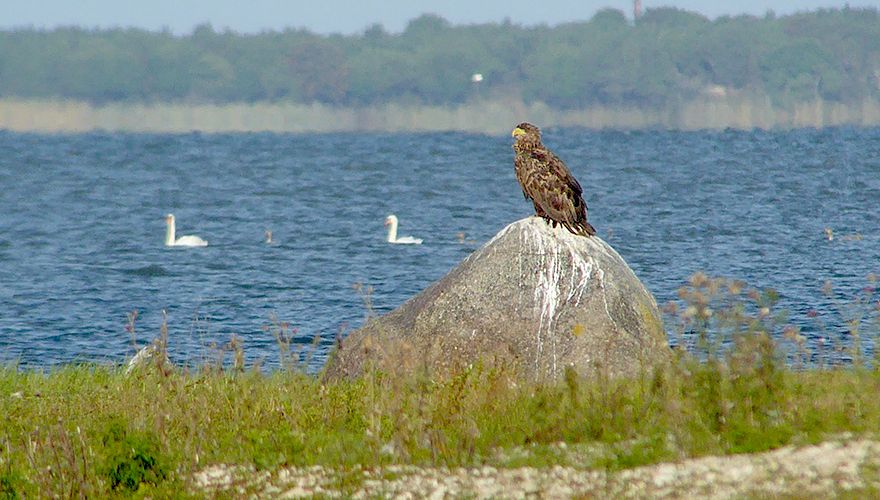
82	226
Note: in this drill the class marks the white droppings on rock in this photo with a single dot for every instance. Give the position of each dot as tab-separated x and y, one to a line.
559	257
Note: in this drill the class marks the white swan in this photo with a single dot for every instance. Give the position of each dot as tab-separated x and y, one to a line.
391	222
183	241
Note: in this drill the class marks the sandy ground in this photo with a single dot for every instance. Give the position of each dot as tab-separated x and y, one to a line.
812	471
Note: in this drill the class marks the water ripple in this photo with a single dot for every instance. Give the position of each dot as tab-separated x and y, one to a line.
82	229
150	271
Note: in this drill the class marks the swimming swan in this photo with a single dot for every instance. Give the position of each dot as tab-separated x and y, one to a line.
391	222
183	241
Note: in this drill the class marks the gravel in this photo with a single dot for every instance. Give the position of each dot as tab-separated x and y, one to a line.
810	471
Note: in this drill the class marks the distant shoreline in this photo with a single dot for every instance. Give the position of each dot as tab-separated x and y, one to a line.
482	116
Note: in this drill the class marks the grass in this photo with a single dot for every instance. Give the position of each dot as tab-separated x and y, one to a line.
90	430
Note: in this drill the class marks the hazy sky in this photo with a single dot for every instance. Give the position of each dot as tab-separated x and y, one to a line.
339	16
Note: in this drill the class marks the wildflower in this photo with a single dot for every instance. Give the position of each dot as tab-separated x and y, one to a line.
700	298
699	279
715	285
735	287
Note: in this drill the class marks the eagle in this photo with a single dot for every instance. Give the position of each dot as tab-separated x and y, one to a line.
546	181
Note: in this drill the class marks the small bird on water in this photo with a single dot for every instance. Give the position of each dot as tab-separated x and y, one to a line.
544	178
829	235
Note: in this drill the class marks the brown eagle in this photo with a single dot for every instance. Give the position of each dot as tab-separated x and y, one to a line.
546	181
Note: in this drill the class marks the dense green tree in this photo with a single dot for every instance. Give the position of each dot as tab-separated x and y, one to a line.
799	70
728	53
666	55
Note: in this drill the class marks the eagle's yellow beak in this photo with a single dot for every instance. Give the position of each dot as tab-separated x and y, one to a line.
517	131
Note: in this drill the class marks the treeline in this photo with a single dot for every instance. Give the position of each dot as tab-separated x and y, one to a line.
666	56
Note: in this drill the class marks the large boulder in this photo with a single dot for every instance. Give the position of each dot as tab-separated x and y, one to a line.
535	297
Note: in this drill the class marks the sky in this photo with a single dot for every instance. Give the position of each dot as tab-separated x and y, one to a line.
348	17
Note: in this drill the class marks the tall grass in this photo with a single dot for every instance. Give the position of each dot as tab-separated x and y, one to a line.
483	116
87	430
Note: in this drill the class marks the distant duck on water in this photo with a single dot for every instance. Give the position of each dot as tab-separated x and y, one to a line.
829	235
183	241
463	239
391	222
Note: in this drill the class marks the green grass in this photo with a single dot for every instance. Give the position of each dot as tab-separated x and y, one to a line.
90	430
93	430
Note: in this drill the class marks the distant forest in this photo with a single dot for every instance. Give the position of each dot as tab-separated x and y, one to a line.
666	56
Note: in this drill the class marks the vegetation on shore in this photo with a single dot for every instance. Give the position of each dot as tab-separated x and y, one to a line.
670	68
85	431
482	116
664	57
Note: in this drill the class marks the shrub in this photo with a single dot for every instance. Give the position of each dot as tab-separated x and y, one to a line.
133	458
